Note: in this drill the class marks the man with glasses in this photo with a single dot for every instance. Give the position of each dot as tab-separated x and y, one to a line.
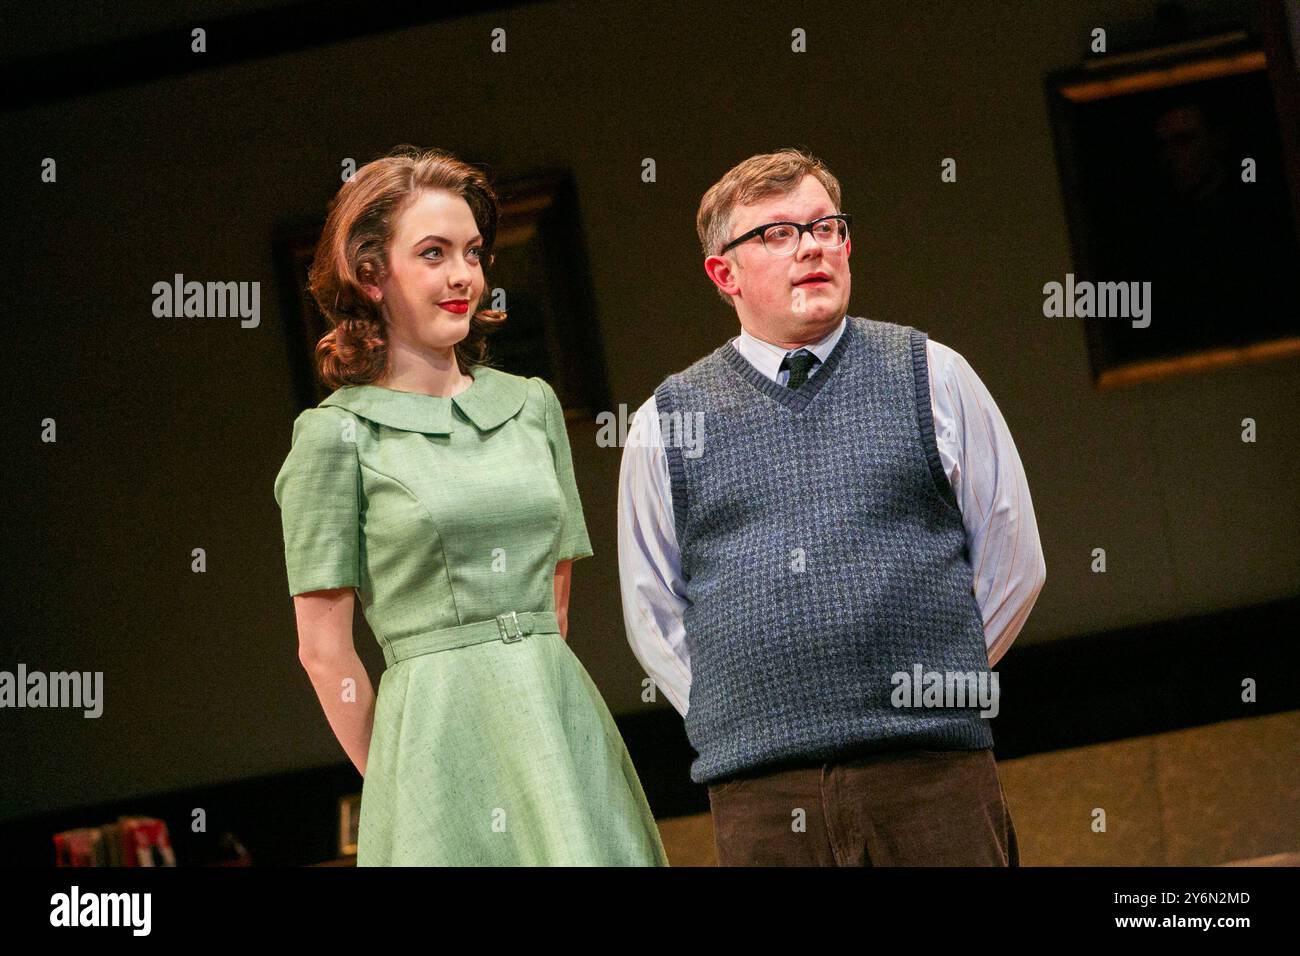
854	515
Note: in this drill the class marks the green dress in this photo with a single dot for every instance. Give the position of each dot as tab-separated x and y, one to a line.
491	744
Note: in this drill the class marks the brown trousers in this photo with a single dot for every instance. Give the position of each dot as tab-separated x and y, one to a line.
909	808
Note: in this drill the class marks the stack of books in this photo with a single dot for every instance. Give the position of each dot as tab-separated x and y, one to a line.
131	841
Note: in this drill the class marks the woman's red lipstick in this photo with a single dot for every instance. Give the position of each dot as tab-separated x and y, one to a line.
459	306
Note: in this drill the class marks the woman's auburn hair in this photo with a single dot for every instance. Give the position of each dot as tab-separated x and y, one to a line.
353	248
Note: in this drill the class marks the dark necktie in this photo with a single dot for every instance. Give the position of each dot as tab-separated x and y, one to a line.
799	363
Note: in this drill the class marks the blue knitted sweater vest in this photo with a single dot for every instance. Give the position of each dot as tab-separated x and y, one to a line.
823	552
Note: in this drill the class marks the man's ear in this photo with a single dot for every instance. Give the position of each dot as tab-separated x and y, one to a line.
722	271
848	246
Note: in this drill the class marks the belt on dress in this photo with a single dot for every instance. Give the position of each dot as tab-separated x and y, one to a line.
507	628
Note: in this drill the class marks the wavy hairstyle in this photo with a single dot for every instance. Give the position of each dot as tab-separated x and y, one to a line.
353	247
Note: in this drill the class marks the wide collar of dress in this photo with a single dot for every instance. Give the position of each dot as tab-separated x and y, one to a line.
492	399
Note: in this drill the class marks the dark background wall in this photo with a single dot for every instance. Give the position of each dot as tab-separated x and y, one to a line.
170	431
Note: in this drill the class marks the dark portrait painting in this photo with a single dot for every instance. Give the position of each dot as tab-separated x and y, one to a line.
1174	174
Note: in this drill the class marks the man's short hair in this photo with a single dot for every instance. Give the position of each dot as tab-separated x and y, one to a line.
758	177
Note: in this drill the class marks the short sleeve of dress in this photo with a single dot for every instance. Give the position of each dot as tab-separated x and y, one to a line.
317	489
574	542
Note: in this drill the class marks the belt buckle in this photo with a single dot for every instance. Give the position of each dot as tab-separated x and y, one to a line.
504	621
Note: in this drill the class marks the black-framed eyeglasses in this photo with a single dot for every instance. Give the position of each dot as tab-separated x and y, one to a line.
783	238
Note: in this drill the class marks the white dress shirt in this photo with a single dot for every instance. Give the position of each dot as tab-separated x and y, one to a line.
978	456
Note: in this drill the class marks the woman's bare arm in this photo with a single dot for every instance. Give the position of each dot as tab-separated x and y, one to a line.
329	656
563	572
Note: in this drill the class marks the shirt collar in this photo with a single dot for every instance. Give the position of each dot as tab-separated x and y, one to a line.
492	399
767	357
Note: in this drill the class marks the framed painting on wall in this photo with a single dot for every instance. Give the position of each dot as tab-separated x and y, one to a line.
1178	185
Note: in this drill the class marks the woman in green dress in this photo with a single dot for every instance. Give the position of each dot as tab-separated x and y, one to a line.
440	491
